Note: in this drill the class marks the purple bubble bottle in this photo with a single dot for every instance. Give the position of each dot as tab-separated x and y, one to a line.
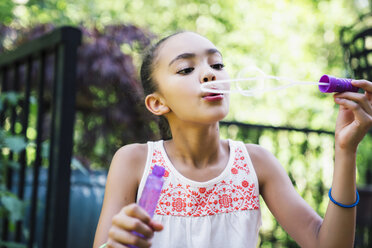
151	193
335	84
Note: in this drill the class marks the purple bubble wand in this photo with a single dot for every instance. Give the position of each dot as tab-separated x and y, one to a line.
334	84
326	84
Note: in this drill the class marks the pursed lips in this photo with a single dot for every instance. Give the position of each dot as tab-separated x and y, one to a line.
213	96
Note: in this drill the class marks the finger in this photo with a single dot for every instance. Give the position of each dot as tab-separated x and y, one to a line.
136	211
113	244
360	99
363	119
156	226
132	224
127	238
364	84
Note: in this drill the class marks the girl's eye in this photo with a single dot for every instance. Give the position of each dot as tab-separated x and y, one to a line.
186	71
218	66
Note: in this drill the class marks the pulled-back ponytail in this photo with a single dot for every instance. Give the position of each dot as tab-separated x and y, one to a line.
150	86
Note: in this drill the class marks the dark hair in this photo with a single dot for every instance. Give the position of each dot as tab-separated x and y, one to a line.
149	85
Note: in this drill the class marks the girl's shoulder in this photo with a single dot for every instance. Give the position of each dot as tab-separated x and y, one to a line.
130	160
123	179
265	164
134	152
259	154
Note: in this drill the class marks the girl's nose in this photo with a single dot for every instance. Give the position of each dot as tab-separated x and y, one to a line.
208	76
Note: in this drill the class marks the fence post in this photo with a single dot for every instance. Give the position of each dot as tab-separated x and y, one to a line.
56	224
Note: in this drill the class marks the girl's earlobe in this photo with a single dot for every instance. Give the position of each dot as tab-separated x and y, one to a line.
156	104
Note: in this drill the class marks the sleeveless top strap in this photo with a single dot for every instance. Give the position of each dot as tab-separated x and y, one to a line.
254	177
146	171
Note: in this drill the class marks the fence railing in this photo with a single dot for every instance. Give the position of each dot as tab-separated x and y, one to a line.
52	97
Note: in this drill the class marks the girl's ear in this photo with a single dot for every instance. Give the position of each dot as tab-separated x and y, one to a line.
156	104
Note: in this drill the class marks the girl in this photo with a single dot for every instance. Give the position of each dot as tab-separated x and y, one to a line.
210	196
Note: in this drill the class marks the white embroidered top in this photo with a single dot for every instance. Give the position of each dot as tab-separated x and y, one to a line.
222	212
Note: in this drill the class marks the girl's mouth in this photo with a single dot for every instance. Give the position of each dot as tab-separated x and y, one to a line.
211	97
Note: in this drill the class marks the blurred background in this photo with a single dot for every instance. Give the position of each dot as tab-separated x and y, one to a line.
301	39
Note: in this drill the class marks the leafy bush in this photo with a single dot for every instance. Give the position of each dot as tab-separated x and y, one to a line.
11	207
109	94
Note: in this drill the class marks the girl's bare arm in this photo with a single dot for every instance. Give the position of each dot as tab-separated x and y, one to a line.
119	214
292	212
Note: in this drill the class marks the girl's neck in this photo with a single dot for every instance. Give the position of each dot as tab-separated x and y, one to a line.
197	146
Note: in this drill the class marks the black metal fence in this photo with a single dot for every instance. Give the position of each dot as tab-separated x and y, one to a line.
52	97
356	41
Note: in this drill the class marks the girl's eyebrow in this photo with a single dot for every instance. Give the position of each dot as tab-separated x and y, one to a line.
192	55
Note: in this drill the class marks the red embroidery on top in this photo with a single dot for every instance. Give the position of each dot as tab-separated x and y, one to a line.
181	199
202	190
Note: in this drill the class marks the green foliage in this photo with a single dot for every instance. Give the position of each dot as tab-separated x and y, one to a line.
14	143
6	11
11	244
285	38
364	161
11	207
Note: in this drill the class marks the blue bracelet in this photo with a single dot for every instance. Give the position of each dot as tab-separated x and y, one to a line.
343	205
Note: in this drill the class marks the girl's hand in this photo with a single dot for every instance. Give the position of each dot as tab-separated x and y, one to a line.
355	116
132	218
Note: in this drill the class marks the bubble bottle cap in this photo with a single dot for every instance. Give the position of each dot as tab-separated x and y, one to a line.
158	171
336	84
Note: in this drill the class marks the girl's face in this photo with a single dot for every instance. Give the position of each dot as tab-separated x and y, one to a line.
183	63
